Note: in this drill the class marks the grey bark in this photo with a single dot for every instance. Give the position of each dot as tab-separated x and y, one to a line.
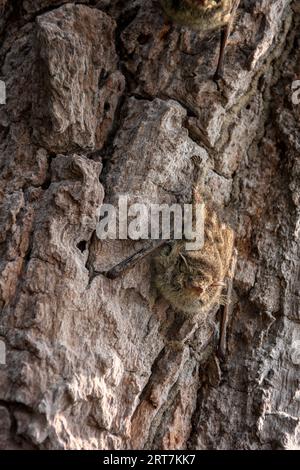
106	90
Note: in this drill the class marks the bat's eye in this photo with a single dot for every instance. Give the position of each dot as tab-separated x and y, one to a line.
188	282
166	250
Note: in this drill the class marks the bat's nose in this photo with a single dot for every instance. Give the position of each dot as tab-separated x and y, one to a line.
194	287
197	289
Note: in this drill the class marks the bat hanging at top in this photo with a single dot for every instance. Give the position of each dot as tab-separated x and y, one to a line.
204	15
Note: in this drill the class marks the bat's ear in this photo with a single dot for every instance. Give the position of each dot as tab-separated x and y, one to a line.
197	198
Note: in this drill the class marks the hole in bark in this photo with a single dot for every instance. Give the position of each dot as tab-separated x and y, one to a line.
46	184
81	246
144	38
28	255
106	106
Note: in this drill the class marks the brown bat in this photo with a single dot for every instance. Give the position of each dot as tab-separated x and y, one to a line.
205	15
192	282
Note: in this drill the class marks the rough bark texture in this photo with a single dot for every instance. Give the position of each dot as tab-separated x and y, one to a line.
107	88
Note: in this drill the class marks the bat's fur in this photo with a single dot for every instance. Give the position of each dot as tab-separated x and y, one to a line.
202	15
193	281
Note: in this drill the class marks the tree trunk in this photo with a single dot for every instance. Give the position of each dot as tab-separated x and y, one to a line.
106	99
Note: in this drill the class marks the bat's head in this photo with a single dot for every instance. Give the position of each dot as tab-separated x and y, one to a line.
190	284
193	281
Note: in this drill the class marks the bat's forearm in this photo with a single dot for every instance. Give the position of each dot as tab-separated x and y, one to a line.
132	260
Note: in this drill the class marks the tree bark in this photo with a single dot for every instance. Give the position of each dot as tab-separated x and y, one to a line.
104	99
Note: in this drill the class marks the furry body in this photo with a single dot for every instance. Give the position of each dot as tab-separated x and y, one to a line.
193	281
201	15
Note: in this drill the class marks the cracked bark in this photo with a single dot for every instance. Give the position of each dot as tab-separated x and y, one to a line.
103	100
